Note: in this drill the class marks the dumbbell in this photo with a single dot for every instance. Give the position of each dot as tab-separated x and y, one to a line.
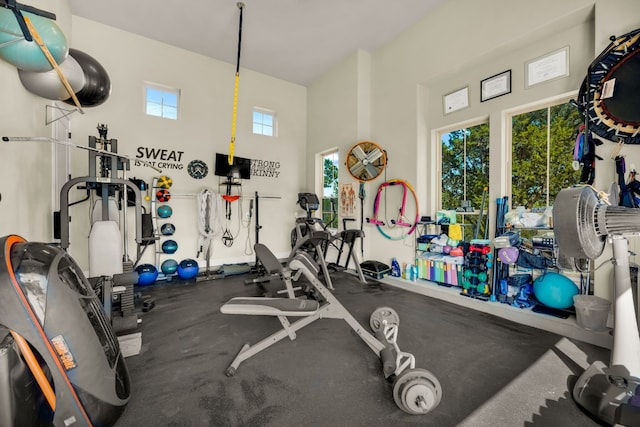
483	249
481	276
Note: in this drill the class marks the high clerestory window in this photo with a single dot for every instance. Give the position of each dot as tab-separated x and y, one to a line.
161	101
264	122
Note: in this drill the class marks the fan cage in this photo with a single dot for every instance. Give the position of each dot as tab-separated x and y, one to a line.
366	161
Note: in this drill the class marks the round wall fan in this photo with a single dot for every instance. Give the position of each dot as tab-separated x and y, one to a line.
366	161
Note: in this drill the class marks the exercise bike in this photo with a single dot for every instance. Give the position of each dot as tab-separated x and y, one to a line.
340	241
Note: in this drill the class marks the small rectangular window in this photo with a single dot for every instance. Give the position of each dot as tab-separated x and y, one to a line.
264	122
162	101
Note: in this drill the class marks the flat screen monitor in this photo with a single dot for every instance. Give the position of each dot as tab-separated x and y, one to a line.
240	169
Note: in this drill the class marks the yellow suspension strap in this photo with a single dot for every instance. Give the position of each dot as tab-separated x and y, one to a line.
235	90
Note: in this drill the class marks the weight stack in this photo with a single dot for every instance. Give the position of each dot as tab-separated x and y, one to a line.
127	304
126	318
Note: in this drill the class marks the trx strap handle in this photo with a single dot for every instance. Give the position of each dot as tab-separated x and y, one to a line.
235	90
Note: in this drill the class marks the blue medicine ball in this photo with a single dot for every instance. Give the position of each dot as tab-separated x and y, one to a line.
147	274
167	229
164	211
555	290
188	269
169	246
169	266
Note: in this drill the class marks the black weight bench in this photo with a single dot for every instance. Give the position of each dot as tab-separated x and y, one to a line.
416	391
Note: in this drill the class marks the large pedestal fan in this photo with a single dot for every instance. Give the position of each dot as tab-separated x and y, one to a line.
583	224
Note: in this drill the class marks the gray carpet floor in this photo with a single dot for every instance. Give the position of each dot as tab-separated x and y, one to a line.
493	372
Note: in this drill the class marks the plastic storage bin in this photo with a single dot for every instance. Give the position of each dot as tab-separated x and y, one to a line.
592	312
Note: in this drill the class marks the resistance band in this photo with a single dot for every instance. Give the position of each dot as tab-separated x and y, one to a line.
235	90
401	220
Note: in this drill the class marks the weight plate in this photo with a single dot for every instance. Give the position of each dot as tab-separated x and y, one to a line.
419	396
414	384
381	314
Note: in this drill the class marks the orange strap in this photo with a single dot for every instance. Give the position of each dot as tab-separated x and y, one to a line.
230	198
36	370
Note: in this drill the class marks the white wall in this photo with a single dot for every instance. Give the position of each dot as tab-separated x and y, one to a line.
338	111
459	44
444	53
26	193
391	96
204	128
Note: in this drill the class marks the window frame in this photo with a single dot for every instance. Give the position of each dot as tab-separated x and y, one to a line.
508	126
274	121
438	134
335	225
165	90
469	219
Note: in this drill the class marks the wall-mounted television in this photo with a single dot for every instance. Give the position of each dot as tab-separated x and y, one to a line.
240	169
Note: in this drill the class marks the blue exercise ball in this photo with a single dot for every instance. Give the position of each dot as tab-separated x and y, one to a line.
164	211
25	55
188	269
169	246
555	290
169	266
147	274
167	229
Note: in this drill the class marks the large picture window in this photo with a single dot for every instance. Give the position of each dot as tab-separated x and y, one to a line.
465	170
542	142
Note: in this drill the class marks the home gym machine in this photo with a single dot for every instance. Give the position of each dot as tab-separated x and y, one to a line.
110	268
415	391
